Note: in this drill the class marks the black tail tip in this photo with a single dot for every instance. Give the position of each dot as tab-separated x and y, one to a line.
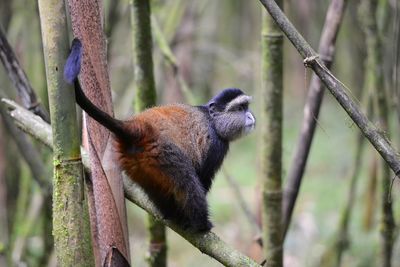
73	65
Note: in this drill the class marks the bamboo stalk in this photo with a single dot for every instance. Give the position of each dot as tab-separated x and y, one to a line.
145	98
71	228
142	51
271	131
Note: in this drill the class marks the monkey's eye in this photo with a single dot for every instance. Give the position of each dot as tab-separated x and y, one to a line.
241	108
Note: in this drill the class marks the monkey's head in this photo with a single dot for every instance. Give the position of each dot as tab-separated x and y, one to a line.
230	113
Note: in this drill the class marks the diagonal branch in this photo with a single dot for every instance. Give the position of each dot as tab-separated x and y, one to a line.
375	135
19	79
311	110
208	243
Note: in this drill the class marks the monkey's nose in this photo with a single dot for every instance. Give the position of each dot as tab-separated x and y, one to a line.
251	118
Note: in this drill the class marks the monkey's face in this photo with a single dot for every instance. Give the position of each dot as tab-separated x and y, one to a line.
231	115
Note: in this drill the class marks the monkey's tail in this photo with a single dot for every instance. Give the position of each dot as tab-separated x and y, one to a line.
71	71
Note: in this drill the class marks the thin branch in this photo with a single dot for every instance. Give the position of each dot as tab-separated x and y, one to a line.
33	214
19	79
251	218
171	60
22	117
208	243
311	110
336	87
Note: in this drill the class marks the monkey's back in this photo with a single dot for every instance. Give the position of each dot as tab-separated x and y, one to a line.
173	144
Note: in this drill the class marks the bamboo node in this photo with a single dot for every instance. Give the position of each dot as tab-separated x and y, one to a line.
308	60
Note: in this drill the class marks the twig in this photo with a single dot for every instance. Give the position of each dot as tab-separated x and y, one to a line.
242	203
337	89
311	110
172	60
33	213
208	243
22	117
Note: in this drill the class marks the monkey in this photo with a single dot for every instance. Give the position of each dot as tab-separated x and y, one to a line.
174	151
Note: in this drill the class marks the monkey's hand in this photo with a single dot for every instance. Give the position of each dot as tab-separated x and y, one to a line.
73	65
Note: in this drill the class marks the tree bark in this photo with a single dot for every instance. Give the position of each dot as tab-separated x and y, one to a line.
106	202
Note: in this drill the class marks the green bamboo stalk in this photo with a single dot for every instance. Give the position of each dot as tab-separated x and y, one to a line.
142	51
208	243
71	228
145	98
271	157
375	81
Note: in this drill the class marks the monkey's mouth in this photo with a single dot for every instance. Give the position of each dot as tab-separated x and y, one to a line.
250	123
249	127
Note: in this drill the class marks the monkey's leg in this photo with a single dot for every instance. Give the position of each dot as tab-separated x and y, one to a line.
192	205
186	205
189	196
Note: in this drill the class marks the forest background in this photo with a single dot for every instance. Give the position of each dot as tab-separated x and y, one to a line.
217	44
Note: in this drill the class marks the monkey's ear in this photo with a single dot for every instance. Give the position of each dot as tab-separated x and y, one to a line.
73	65
211	108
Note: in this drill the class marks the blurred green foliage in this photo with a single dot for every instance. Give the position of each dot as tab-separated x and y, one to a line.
217	45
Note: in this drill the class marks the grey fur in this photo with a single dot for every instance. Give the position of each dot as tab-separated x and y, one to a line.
233	123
